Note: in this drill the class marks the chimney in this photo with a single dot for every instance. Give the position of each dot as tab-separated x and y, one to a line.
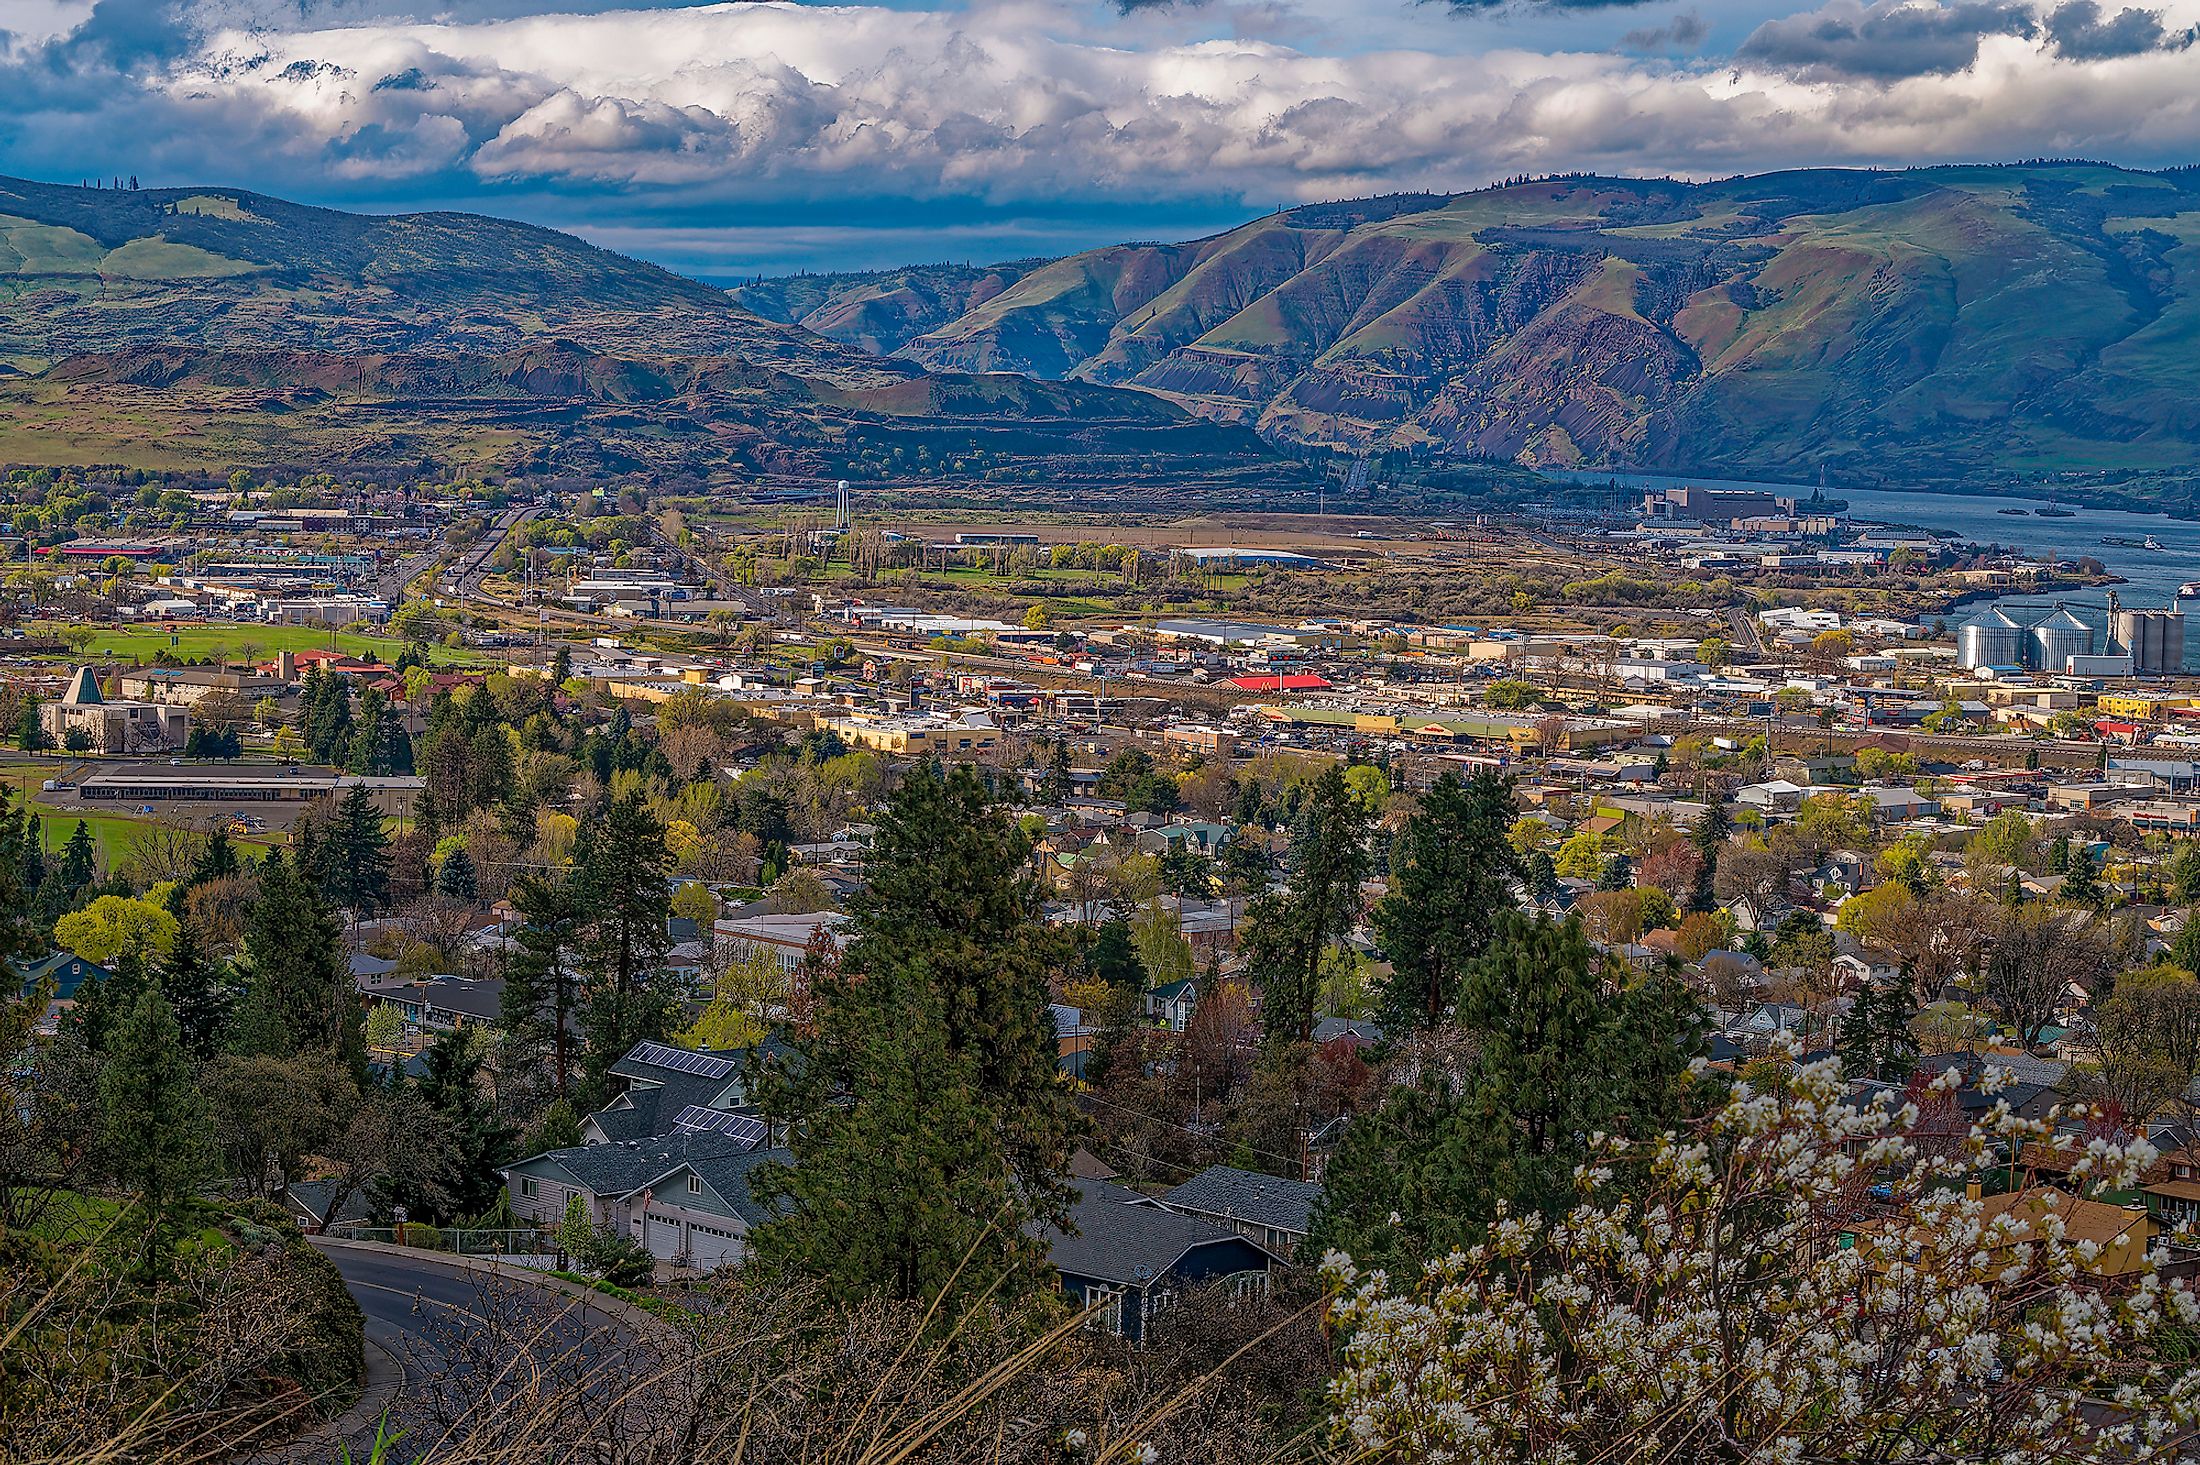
1972	1190
286	665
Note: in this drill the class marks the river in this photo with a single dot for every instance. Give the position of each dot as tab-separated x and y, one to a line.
2151	576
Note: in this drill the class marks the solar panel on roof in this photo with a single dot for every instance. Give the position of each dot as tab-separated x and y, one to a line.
682	1061
741	1128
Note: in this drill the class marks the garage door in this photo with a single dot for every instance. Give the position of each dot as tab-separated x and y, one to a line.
709	1246
662	1237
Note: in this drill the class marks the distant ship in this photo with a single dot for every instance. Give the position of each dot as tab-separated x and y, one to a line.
2015	513
2055	511
2190	590
2124	542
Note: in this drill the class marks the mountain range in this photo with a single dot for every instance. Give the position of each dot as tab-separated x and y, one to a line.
1953	323
213	326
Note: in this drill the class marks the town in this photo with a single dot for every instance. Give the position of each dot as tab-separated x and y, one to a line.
600	888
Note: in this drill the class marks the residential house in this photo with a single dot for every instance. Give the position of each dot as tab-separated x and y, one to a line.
1172	1005
1276	1213
685	1196
1129	1258
668	1090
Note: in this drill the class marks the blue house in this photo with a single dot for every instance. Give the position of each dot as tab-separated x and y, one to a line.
1130	1259
68	971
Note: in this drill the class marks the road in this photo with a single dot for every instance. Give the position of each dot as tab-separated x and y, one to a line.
439	1335
471	565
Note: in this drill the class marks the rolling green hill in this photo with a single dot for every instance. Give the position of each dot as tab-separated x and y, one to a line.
215	327
1975	323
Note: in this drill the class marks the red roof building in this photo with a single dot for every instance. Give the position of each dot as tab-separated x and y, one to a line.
1292	682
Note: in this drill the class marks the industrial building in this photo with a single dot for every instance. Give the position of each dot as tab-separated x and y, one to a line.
2153	639
2139	642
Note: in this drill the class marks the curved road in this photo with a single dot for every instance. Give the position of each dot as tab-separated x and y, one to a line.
440	1334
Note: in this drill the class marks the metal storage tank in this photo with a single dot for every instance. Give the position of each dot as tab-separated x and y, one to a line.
2058	638
1991	640
2155	639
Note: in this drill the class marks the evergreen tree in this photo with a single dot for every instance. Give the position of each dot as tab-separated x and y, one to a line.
1112	957
935	1023
1703	896
196	992
1618	874
358	854
541	1006
1874	1039
1540	874
1565	1046
324	715
619	862
30	731
455	876
2082	883
2185	950
1448	882
1294	929
217	861
298	970
152	1120
76	871
451	1085
104	1005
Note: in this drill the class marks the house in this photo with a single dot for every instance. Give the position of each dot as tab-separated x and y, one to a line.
1172	1005
1130	1258
439	1002
668	1090
65	969
1273	1212
780	938
1775	796
685	1196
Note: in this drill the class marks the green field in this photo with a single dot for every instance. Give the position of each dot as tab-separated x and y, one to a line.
193	643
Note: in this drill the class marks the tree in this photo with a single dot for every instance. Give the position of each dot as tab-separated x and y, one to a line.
1449	874
619	866
1714	652
76	871
299	991
455	877
541	1006
152	1119
197	991
113	924
2037	955
452	1084
1710	833
954	1161
358	854
1875	1040
1293	930
391	1141
1663	1321
1563	1049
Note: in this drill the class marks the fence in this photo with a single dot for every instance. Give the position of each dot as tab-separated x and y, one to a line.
527	1248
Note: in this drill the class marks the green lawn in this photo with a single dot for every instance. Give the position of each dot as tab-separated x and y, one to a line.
193	643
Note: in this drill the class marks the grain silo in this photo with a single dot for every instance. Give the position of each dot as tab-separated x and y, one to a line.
1993	640
2153	639
2058	638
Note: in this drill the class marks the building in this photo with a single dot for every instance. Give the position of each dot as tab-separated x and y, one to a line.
685	1196
85	716
1127	1258
1272	1212
243	783
968	733
783	938
1208	742
184	686
1715	505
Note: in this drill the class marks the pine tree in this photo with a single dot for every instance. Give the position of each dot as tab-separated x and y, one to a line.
359	853
196	991
1294	929
1703	896
1874	1039
151	1116
935	1020
295	951
1448	882
77	871
1564	1047
455	876
541	1006
103	1006
452	1086
619	860
217	861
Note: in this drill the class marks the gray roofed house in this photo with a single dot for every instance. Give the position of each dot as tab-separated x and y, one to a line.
1130	1258
686	1197
1267	1209
663	1081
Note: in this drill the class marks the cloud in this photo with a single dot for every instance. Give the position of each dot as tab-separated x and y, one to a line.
2080	31
766	115
1684	32
1887	40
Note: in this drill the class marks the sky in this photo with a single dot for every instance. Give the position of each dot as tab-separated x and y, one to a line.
766	137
